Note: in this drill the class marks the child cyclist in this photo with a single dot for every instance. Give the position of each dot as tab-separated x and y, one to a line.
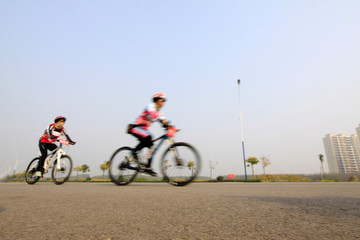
52	132
140	127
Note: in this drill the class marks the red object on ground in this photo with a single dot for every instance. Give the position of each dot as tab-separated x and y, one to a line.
231	176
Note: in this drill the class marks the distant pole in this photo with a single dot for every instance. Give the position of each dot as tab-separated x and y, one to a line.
242	131
321	158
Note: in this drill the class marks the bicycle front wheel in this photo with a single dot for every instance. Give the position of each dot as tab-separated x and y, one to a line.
30	177
180	164
123	167
62	173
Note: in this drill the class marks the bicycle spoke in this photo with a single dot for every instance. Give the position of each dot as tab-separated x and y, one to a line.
61	173
180	164
123	167
30	177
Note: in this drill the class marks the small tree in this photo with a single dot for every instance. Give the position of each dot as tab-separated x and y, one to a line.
85	168
253	161
105	167
77	170
321	158
265	162
191	166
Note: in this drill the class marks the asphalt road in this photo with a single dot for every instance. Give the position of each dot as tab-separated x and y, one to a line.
197	211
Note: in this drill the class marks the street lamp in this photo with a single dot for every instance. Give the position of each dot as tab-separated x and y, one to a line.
242	131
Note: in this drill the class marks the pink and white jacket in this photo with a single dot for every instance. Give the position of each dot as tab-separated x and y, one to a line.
149	116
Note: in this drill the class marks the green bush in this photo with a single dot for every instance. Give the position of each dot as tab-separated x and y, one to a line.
243	180
220	178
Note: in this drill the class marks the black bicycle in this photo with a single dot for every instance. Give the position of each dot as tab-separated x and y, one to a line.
180	163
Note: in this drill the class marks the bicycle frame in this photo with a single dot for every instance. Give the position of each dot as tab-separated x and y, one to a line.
55	155
162	140
175	165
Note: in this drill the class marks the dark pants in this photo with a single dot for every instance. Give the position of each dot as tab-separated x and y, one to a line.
144	142
44	147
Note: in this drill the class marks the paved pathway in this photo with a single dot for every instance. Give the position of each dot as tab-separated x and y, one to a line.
198	211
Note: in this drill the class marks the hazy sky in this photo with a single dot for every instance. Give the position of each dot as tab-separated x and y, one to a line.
99	62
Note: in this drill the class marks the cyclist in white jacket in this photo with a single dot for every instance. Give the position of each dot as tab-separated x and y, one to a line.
140	127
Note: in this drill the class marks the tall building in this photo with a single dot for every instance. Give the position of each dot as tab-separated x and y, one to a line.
358	132
342	153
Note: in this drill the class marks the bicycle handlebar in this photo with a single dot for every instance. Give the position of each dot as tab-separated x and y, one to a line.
65	142
62	141
167	126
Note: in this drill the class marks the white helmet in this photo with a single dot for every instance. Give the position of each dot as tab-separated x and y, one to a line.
158	96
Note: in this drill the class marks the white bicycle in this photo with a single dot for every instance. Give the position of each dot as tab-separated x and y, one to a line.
60	163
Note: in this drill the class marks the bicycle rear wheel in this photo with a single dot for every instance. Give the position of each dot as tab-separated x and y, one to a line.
30	177
62	174
180	164
123	168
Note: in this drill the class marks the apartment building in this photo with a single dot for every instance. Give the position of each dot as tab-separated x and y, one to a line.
343	152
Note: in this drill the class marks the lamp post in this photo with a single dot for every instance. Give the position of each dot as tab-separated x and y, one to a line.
242	131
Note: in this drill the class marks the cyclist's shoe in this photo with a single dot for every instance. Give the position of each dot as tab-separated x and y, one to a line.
38	174
150	172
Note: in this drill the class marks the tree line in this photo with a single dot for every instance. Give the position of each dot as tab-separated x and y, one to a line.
253	161
85	168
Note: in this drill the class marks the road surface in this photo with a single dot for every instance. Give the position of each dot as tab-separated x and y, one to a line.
197	211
